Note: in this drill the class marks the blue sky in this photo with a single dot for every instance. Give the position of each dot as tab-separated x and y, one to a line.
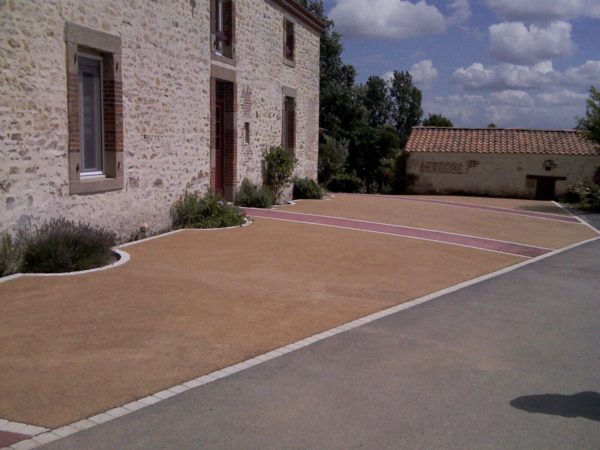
517	63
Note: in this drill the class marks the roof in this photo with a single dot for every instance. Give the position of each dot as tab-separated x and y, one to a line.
295	8
499	140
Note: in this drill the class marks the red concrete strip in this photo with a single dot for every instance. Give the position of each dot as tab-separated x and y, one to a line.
518	212
8	438
527	251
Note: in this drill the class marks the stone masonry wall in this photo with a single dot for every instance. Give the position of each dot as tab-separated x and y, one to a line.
261	74
495	175
166	59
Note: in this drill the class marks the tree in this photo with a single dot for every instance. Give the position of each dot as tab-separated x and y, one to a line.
492	125
437	120
376	99
591	122
406	104
339	115
372	155
333	155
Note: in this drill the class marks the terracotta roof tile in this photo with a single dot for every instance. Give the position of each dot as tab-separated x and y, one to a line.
498	140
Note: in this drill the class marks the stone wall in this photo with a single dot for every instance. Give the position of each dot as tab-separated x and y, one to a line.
495	175
166	60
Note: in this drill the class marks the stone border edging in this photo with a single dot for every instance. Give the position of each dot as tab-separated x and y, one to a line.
124	257
75	427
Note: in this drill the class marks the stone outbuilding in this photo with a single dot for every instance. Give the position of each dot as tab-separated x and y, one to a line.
111	109
500	162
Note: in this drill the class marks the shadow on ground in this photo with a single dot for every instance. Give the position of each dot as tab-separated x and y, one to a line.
583	404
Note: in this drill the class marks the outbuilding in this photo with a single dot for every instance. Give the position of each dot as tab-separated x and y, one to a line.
500	162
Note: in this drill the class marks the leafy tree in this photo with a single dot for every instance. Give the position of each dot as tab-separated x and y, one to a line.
591	122
492	125
437	120
339	115
376	99
406	104
333	154
372	155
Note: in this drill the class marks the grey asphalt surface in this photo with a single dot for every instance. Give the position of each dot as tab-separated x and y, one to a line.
512	362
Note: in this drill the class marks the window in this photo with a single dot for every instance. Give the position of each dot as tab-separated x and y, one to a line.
288	40
222	27
90	115
95	110
289	123
246	132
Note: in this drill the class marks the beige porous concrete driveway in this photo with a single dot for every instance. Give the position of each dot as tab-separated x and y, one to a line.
196	301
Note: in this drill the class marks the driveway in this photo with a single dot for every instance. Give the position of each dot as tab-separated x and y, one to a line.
511	362
194	302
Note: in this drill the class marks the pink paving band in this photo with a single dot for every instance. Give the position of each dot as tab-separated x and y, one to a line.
527	251
517	212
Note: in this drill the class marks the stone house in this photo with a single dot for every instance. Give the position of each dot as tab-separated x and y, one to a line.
111	108
500	162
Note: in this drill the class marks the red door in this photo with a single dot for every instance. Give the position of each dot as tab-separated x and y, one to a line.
219	148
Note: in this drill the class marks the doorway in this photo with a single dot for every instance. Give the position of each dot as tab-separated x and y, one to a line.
223	179
545	187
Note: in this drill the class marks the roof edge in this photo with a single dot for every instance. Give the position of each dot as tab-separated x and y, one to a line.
302	13
539	130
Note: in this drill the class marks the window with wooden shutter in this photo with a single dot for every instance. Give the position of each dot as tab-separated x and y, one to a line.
289	123
289	42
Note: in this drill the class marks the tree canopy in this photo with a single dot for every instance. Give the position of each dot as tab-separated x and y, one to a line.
406	104
590	123
437	120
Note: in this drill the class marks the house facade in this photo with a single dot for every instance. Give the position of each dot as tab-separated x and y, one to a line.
500	162
112	108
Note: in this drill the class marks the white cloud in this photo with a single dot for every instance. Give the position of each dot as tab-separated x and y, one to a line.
515	43
512	98
423	72
505	76
510	109
586	74
562	97
395	19
544	10
388	76
461	12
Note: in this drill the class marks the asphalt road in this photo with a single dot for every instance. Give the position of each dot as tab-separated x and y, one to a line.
512	362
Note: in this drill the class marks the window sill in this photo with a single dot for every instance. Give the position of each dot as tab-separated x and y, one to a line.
95	185
223	59
289	62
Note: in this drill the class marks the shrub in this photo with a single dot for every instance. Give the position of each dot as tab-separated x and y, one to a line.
307	188
585	195
252	196
193	210
60	245
346	183
280	167
572	195
10	254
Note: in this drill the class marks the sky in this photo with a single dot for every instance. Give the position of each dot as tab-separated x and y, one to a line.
516	63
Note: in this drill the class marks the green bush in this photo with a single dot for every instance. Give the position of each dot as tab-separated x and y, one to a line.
346	182
307	188
10	254
586	196
252	196
280	168
60	245
193	210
